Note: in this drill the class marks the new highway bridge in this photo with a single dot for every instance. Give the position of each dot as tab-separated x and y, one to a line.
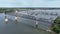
26	21
45	20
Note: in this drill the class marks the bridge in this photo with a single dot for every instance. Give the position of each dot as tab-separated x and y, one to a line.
44	18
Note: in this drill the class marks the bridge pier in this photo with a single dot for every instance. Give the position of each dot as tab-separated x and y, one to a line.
36	26
6	19
16	16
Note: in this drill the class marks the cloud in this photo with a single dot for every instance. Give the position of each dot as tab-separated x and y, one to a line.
29	3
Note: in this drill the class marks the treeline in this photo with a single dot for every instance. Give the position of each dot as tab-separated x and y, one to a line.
6	9
56	27
14	9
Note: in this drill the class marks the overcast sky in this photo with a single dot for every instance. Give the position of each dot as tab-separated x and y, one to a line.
29	3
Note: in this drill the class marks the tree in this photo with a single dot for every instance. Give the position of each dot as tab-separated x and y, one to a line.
56	26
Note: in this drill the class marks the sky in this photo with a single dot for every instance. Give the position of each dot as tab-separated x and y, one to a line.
29	3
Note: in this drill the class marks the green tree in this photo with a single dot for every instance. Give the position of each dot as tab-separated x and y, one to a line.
56	26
